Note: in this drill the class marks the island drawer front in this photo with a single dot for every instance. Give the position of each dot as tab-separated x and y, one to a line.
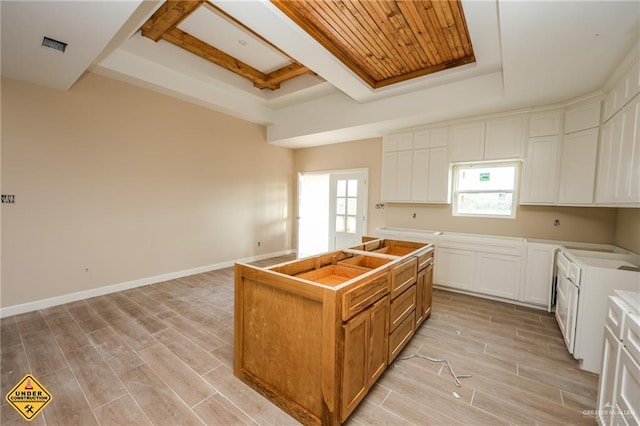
424	259
401	336
363	295
401	307
403	276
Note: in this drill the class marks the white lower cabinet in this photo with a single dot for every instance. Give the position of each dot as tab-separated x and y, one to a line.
498	275
489	266
619	382
539	271
455	268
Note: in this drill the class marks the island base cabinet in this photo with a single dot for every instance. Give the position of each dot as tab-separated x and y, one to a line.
424	288
285	363
401	336
313	335
364	354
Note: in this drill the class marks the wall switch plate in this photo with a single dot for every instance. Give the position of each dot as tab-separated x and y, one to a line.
8	199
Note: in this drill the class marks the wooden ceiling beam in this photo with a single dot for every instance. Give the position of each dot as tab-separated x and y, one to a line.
170	14
285	73
198	47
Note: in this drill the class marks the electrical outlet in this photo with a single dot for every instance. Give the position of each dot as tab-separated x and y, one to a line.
259	243
414	216
556	222
8	198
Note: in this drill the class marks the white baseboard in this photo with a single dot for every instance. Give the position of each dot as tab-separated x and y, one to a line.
100	291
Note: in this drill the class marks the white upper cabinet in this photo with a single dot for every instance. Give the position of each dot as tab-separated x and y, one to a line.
625	154
578	167
545	123
415	166
496	139
582	116
503	138
618	180
624	90
540	171
467	142
396	167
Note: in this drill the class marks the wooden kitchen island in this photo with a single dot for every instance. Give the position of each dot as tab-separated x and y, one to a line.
313	335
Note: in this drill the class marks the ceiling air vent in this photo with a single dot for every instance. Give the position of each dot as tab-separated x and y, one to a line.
54	44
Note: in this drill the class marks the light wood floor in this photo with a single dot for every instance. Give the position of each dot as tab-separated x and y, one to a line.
162	354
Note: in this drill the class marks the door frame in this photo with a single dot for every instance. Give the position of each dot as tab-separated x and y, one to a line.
364	170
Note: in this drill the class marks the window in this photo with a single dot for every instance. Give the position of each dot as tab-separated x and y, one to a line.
346	205
485	190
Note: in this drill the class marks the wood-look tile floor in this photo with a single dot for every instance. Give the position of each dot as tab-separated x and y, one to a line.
162	354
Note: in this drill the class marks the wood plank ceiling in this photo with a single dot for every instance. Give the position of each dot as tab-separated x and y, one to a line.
382	41
387	41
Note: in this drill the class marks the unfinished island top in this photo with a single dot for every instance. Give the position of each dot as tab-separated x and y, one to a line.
313	335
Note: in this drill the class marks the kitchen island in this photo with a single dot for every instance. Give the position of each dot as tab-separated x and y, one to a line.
313	335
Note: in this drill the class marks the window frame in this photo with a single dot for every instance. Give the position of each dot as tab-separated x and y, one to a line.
514	192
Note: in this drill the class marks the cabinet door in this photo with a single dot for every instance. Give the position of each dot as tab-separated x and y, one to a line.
539	274
503	138
455	268
578	167
607	162
627	393
545	123
628	170
540	171
389	176
582	116
355	372
607	380
403	185
378	339
420	291
467	142
422	139
420	175
439	137
438	180
427	295
498	275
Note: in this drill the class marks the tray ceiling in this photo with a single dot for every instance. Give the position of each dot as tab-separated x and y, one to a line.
387	41
382	42
194	26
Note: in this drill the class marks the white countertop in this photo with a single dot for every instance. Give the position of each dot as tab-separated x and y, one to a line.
630	298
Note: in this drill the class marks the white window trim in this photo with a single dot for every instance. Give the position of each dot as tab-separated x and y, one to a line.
514	191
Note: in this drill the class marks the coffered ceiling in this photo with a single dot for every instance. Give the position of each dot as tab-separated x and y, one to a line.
326	71
199	34
383	42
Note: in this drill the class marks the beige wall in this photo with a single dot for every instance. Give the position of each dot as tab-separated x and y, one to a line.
628	229
130	184
576	224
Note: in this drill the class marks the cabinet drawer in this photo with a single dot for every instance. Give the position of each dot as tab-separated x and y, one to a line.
359	298
401	336
615	316
401	307
424	259
631	336
403	276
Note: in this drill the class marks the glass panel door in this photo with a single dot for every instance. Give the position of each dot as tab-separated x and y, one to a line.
348	207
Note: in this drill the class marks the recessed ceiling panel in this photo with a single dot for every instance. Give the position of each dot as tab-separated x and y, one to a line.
208	25
387	41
